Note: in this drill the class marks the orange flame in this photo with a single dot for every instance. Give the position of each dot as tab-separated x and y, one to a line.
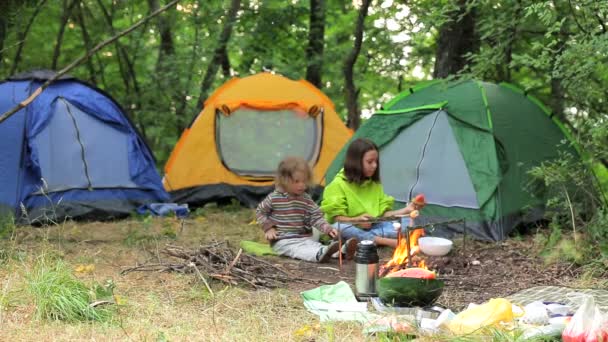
400	256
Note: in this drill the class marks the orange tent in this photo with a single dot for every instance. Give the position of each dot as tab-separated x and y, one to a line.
232	148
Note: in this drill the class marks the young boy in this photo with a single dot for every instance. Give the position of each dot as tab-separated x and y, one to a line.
288	215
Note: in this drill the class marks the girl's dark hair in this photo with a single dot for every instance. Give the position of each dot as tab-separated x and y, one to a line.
353	164
288	167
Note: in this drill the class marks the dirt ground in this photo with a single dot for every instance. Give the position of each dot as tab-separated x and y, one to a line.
474	273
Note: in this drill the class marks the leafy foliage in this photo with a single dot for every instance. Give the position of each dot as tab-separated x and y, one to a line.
577	199
556	50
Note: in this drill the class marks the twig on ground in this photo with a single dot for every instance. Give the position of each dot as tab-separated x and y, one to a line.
202	278
217	261
238	255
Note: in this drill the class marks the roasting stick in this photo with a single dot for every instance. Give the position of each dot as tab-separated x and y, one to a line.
340	249
397	225
413	215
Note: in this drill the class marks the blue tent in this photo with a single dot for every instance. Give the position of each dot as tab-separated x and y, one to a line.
72	152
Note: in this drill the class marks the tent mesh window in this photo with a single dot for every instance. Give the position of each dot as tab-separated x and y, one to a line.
252	142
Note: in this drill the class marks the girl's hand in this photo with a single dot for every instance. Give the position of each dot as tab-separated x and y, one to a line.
363	217
411	207
271	234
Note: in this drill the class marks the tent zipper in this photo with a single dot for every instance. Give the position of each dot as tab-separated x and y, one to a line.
84	161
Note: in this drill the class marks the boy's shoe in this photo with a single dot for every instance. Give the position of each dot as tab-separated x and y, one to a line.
325	252
349	248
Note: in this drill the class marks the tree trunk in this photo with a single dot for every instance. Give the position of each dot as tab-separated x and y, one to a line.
217	55
350	91
456	39
121	55
225	64
557	98
557	89
126	68
163	25
21	36
316	40
6	11
88	45
504	71
181	108
67	10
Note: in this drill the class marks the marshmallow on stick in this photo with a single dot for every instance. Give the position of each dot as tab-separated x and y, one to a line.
413	215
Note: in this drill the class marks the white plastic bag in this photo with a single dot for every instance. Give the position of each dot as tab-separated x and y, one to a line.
535	313
587	325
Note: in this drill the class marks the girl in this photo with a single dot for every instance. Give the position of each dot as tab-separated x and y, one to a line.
288	215
356	194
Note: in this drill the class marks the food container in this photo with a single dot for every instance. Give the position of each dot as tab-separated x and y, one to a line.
434	246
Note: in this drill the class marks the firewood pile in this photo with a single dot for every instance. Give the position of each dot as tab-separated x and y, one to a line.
219	262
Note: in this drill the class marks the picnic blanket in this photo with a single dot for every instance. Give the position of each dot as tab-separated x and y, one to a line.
559	294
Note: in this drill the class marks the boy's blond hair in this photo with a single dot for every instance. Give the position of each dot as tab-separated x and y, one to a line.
288	167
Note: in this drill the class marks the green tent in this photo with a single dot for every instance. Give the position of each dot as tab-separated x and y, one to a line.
467	145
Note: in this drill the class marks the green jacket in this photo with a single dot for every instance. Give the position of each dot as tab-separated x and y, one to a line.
342	198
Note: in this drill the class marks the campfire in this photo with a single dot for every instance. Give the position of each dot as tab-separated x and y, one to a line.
405	280
407	248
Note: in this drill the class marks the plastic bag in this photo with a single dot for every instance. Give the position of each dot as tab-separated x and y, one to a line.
491	313
587	325
535	313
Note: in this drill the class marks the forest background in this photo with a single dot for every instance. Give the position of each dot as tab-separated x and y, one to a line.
360	53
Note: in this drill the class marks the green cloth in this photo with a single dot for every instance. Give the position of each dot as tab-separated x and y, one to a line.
339	292
343	198
336	302
256	248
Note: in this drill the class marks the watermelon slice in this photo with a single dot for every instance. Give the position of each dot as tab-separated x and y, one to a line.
414	272
408	292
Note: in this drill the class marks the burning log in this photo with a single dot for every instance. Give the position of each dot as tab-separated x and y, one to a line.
217	261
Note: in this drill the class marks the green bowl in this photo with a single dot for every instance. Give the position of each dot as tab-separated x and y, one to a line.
399	291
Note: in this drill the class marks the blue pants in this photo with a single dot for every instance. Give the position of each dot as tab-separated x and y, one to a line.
381	229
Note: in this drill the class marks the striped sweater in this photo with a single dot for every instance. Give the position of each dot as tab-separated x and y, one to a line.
292	216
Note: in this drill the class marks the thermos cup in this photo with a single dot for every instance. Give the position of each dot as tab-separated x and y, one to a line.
366	272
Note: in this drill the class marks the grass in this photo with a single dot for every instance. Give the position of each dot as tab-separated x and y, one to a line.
58	295
67	261
73	261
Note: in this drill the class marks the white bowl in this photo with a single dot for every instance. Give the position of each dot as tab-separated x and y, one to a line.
434	246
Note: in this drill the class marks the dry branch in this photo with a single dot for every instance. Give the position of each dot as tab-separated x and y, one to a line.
75	63
217	261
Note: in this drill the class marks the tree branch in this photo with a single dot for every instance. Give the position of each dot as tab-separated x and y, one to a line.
75	63
87	42
21	36
67	13
580	27
217	54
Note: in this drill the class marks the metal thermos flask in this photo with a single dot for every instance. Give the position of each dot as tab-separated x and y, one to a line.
366	272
